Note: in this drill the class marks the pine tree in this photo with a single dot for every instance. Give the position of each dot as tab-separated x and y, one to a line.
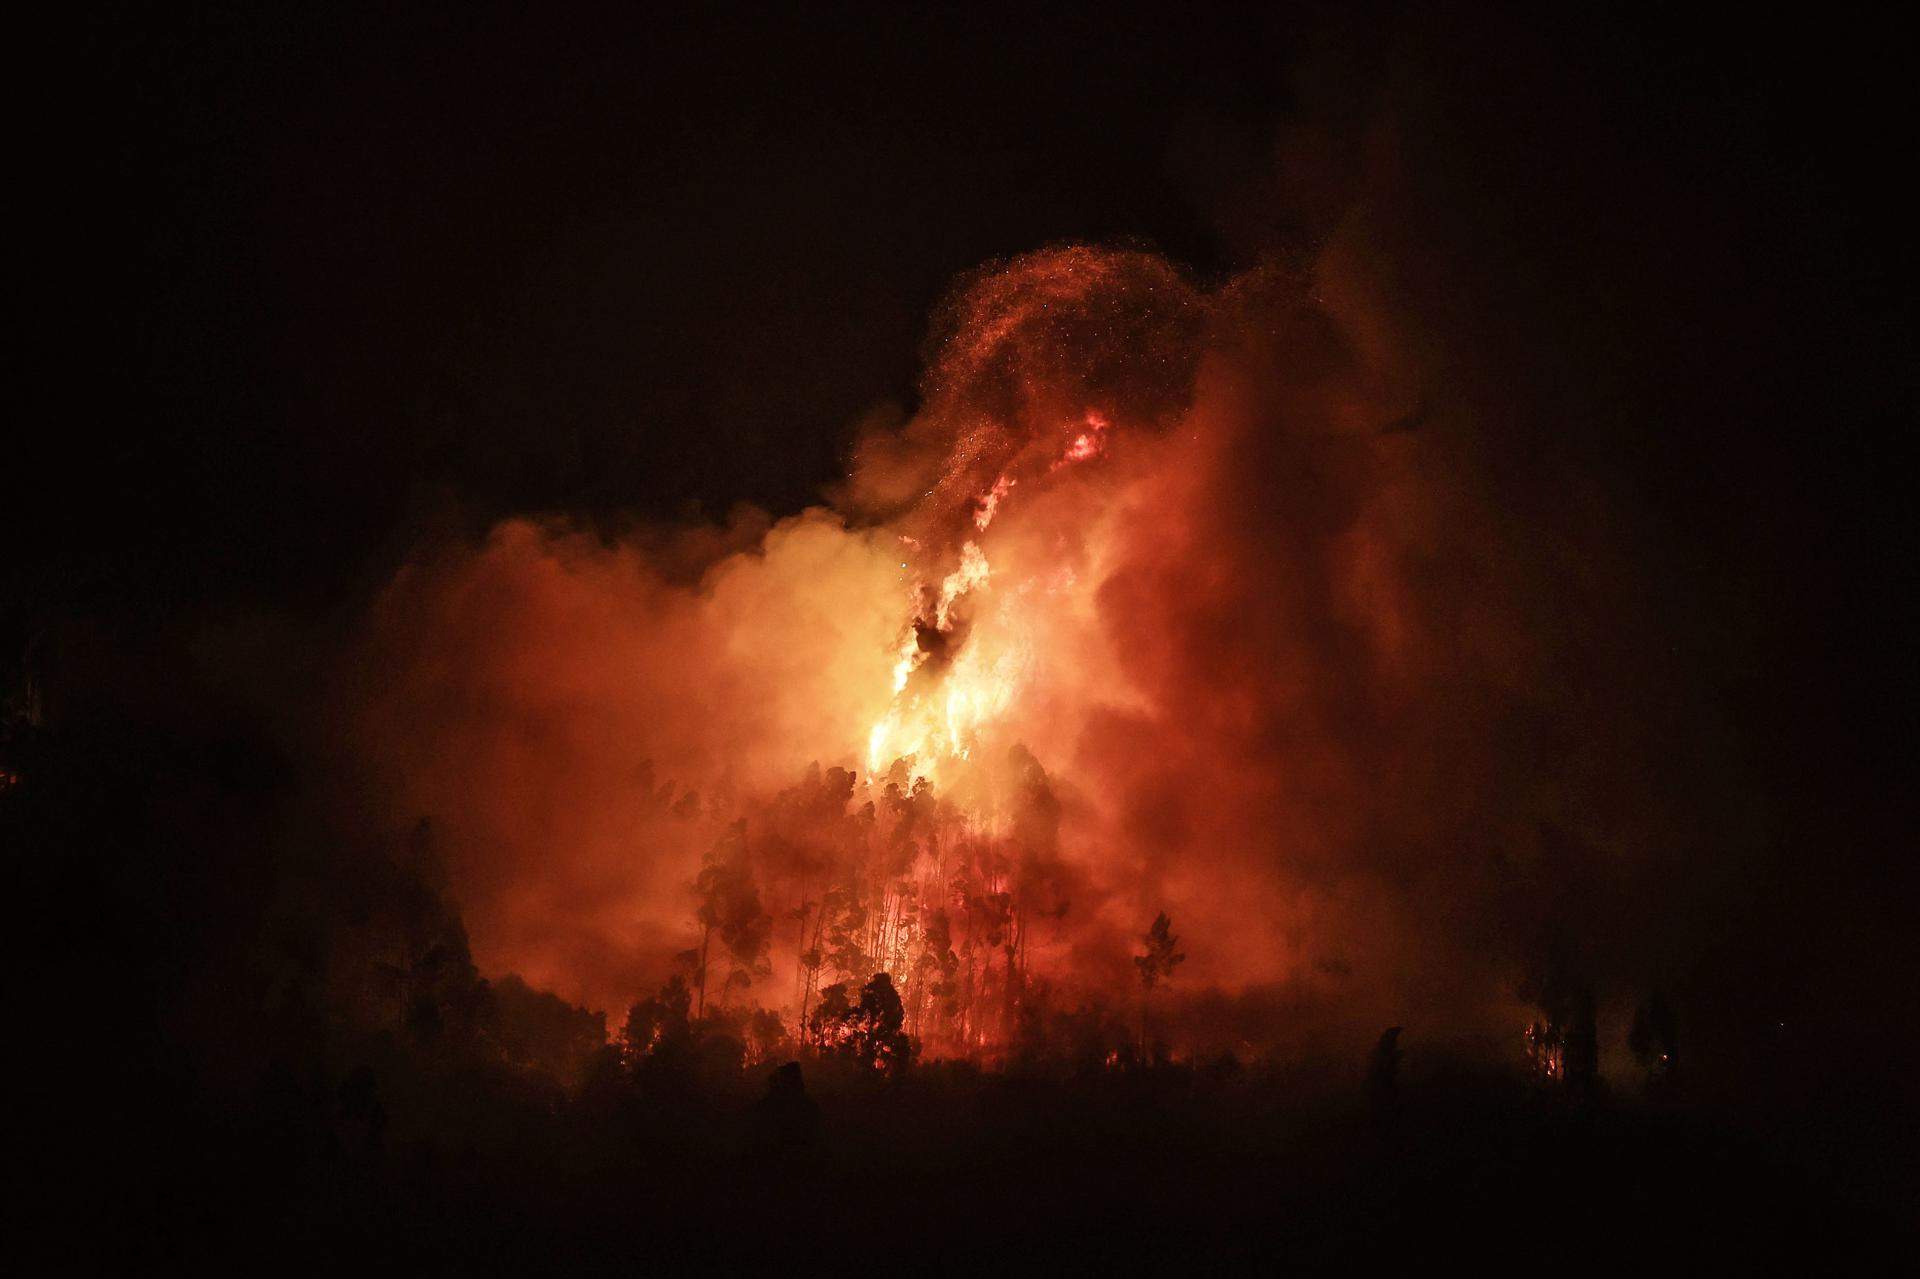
1155	966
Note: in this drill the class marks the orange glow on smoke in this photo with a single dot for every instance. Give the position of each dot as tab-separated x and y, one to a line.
1145	610
983	640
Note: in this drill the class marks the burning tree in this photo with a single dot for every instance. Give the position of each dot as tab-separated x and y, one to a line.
1563	1045
885	876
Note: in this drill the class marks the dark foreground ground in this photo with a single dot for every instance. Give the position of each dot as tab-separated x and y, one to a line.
1169	1170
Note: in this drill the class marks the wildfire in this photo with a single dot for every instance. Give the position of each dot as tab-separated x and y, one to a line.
964	682
971	652
906	736
990	503
1089	443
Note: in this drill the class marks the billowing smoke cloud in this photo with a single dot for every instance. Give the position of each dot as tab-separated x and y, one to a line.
1205	601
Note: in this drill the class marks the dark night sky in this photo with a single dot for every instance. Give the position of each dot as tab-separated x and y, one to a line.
626	261
325	273
610	263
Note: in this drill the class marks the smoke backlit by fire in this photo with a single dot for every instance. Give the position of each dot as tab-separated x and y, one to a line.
1148	608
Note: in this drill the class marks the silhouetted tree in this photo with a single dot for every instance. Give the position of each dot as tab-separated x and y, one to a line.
1156	966
870	1032
1563	1045
657	1021
785	1126
825	1025
541	1031
729	905
766	1034
934	986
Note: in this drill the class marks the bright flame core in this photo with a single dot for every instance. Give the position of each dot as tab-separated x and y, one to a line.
960	667
941	705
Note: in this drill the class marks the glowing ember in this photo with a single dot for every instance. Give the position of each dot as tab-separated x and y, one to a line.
1090	443
990	503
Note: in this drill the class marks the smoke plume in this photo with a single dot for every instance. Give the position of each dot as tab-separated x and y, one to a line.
1224	602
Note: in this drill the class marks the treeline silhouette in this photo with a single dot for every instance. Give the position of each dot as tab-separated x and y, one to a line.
261	1039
